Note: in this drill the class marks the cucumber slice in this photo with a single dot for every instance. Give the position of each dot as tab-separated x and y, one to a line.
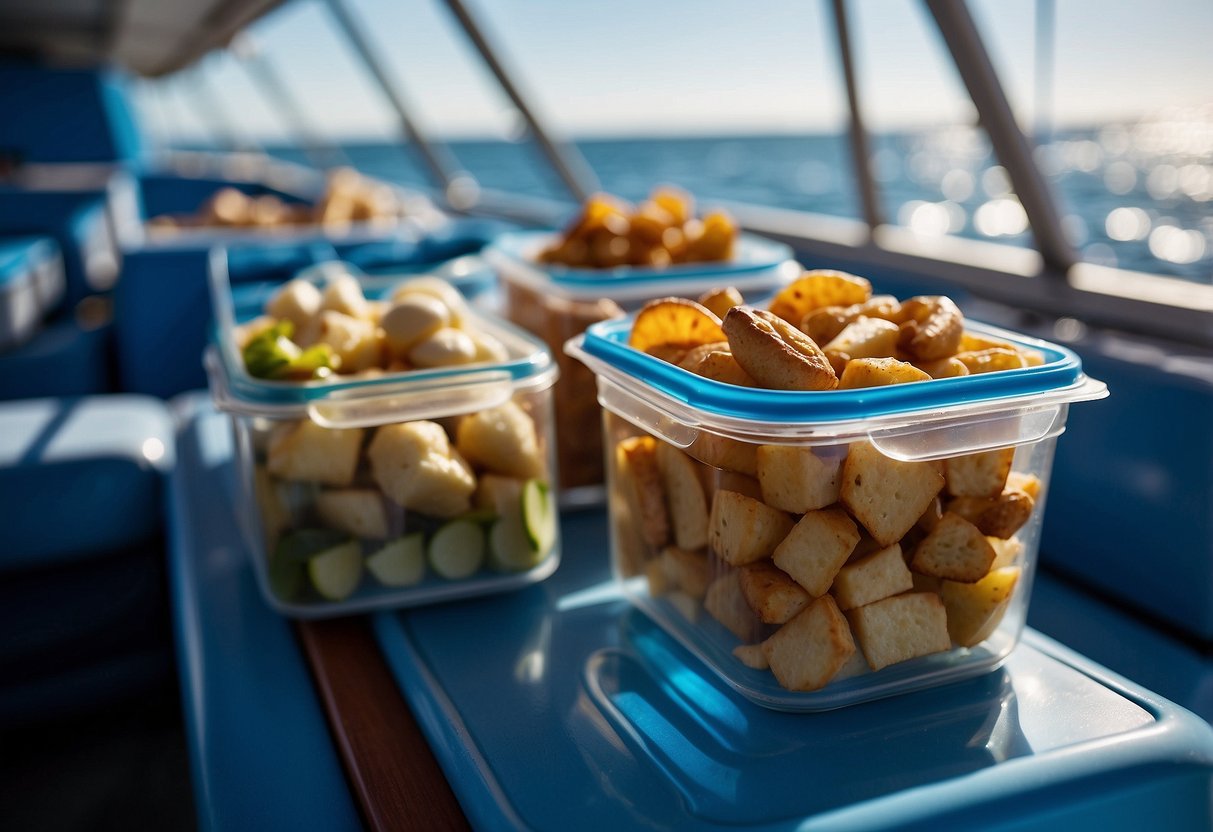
336	572
457	549
539	516
399	563
510	547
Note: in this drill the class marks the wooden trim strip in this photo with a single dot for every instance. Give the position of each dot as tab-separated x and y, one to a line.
390	766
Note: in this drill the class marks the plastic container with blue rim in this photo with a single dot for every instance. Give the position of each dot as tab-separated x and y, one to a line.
557	302
390	487
738	512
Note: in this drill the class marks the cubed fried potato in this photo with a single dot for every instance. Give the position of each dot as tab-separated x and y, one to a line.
640	482
502	440
1027	483
900	628
931	327
771	592
724	602
808	651
359	511
975	610
1000	516
721	479
1006	552
723	452
745	530
415	466
978	475
720	301
654	573
950	367
817	289
715	361
751	655
955	550
824	324
887	495
687	503
865	337
306	452
878	372
816	548
991	360
689	571
796	479
879	575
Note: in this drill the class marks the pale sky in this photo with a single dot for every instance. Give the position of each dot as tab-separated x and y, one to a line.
653	67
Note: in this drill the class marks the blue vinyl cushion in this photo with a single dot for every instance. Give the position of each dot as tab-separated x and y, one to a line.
80	478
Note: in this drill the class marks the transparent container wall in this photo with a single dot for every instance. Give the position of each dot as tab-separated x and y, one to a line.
405	513
555	319
809	578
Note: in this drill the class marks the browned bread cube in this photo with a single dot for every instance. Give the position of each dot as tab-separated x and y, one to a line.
771	592
726	603
751	655
955	549
878	372
689	571
796	479
816	548
745	530
1000	516
684	496
886	495
723	452
636	467
869	579
978	475
808	651
974	610
900	628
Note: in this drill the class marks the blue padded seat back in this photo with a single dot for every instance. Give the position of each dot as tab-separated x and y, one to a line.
80	478
56	115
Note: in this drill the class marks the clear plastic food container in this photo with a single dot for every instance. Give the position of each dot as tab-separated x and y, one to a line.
796	541
392	489
556	303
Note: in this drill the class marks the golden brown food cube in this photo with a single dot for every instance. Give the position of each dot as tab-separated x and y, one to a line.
771	593
684	495
886	495
816	548
979	475
689	571
955	549
744	530
974	610
797	479
726	603
900	628
640	482
808	651
878	575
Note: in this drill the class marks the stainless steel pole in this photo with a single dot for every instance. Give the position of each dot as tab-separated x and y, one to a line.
860	149
568	162
1010	144
440	167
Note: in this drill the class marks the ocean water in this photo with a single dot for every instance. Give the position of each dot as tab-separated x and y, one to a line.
1135	196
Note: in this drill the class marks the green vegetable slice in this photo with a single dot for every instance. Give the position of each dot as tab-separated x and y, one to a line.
457	549
336	572
271	351
539	516
399	563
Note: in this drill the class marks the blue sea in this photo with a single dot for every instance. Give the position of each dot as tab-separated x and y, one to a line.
1135	196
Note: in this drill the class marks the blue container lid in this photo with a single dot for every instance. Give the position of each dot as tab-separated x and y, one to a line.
634	378
350	401
758	263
